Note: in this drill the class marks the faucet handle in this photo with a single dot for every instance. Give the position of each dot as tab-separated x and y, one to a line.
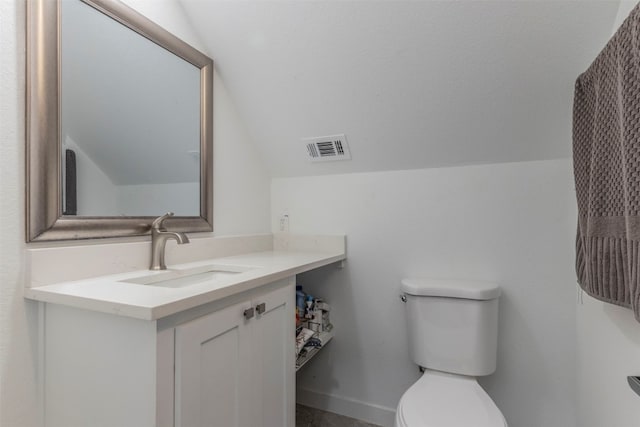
157	223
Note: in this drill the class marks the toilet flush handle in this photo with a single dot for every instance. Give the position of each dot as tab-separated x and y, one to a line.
403	298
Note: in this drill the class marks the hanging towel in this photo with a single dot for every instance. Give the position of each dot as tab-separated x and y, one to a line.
606	159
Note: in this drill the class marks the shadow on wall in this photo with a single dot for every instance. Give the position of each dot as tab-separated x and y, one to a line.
334	286
325	377
339	378
322	375
620	317
512	321
20	369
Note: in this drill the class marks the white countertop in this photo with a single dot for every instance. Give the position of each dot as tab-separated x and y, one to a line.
108	294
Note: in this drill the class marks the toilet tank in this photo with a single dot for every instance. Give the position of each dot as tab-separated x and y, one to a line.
452	324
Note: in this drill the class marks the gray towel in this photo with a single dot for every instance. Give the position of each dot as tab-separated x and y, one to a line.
606	157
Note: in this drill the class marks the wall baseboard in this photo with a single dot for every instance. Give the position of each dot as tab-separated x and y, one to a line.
341	405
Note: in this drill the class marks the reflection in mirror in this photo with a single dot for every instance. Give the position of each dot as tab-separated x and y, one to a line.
119	124
130	112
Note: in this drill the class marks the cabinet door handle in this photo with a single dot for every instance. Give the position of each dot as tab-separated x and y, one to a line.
248	313
261	308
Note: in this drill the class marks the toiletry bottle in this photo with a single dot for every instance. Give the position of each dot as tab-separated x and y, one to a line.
300	299
308	311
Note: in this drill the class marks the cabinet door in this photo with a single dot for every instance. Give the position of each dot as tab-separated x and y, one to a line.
212	382
273	334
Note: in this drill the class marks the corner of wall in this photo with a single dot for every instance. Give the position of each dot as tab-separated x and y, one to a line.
19	404
623	11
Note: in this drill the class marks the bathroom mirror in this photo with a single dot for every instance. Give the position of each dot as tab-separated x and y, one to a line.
119	131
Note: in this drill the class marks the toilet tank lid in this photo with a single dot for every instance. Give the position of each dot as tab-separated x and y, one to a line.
465	289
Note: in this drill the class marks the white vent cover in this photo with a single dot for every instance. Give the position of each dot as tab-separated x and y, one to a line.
327	148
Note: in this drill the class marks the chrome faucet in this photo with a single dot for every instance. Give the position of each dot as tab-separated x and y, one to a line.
159	237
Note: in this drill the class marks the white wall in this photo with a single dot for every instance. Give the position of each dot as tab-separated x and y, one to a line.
608	351
383	73
141	149
241	201
608	348
18	405
152	200
240	179
95	193
510	223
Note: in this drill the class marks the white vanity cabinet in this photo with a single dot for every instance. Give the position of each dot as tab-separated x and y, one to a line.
233	367
207	366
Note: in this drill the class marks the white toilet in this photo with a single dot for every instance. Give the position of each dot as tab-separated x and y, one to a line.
453	335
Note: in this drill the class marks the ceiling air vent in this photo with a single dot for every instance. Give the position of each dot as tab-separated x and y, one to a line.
327	148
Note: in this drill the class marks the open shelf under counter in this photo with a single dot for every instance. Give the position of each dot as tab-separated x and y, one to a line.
310	352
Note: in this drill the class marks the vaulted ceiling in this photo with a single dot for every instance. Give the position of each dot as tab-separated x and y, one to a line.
412	84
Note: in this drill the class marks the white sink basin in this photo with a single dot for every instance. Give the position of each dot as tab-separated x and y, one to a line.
187	277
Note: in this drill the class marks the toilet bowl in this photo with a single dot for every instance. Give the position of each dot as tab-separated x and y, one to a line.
439	399
453	332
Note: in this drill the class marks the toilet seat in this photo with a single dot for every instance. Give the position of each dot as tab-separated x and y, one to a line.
440	399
